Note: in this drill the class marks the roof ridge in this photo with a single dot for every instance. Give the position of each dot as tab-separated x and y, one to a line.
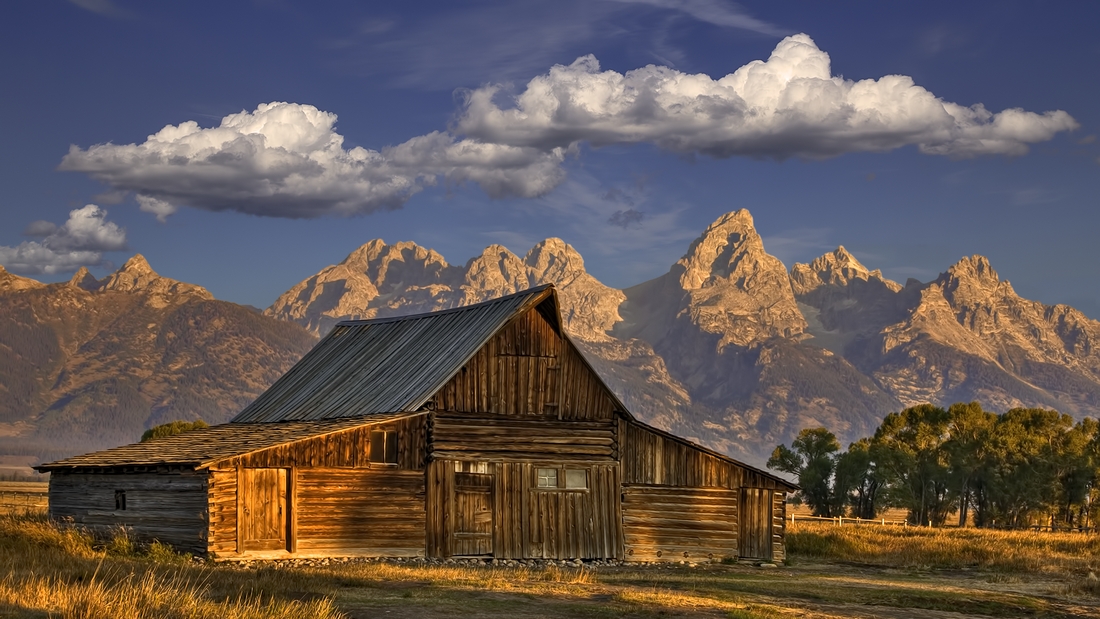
451	310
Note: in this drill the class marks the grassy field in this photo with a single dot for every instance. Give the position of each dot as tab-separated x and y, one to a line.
46	571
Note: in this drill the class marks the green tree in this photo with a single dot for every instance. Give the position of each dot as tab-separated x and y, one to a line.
914	462
811	458
968	451
173	427
857	481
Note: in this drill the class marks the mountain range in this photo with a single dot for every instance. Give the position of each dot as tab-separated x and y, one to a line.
728	347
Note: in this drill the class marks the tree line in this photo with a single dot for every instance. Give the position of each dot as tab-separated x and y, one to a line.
1024	467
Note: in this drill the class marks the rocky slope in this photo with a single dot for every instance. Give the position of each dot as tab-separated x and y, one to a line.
89	364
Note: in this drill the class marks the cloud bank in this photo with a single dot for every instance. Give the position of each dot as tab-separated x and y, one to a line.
80	241
287	160
788	106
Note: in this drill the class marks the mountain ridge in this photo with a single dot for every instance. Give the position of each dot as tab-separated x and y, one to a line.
728	347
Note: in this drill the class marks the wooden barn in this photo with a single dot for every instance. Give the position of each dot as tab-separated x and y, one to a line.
479	431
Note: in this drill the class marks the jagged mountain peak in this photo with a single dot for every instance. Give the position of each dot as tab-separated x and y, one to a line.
136	276
84	280
836	268
10	282
730	249
972	280
554	260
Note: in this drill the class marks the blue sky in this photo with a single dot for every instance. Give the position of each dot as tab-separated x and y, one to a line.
444	141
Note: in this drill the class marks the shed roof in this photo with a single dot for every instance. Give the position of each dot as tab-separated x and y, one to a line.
386	365
200	448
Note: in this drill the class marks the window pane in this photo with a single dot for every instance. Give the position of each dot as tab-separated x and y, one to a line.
548	478
576	479
377	446
391	447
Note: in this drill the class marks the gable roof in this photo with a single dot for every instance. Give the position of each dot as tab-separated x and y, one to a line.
201	448
386	365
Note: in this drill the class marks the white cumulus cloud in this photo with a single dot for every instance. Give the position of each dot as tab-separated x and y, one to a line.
80	241
287	160
788	106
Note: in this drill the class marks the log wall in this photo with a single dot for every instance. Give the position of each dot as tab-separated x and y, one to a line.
169	507
528	369
362	512
664	523
346	448
656	458
505	437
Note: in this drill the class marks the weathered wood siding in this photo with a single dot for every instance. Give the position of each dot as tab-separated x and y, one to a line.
504	437
346	448
529	522
365	512
779	526
528	369
755	523
665	523
339	503
170	507
222	499
651	457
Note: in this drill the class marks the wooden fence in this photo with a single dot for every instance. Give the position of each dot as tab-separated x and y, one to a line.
19	495
844	520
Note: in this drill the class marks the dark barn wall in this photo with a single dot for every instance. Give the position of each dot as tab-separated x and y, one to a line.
169	507
339	503
367	512
681	502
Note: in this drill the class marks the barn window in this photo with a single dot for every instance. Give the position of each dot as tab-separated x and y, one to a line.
576	479
120	499
548	478
383	447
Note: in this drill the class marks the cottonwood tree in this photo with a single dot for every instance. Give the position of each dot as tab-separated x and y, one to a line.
811	458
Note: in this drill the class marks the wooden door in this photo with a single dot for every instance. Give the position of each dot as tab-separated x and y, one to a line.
473	514
262	510
754	517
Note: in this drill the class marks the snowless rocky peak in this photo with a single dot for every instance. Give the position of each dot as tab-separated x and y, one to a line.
729	249
972	281
837	268
84	280
10	282
137	276
554	260
401	264
495	273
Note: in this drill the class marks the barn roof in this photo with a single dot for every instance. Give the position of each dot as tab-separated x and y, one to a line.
386	365
200	448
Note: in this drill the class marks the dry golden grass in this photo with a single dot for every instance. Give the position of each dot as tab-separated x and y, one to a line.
1009	551
52	571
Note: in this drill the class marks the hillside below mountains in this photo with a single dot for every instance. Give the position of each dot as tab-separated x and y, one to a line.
89	364
728	347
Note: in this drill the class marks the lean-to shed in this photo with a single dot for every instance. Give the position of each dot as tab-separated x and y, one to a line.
476	431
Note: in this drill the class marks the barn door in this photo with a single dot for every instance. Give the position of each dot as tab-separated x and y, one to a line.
262	510
755	520
473	532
